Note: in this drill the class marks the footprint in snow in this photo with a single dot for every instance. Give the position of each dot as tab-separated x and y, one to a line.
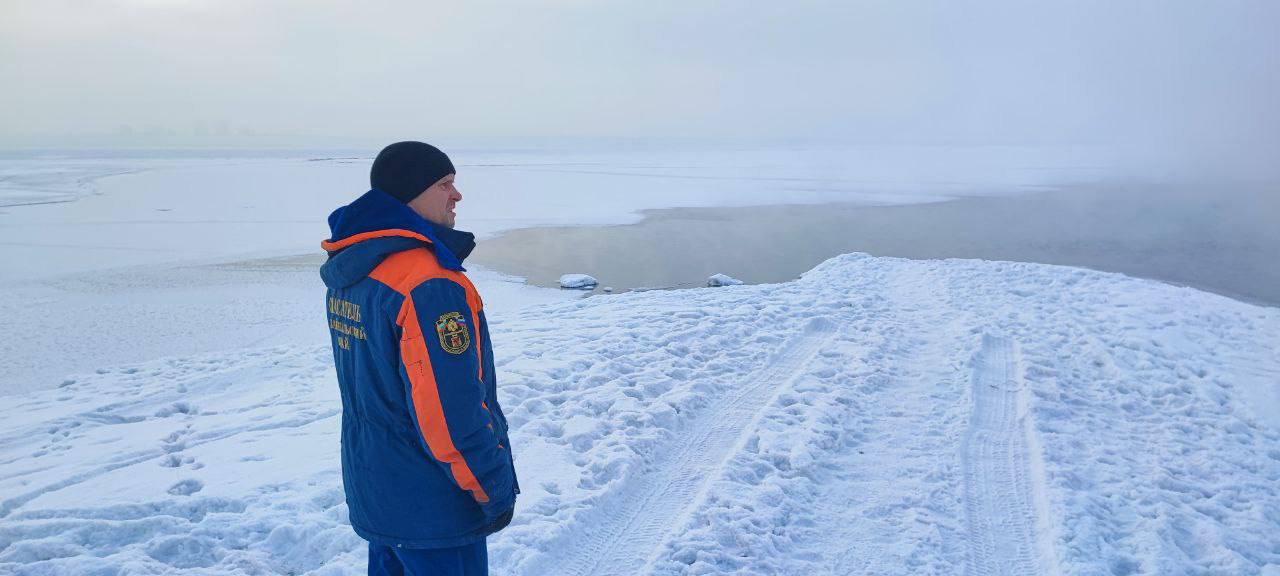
175	460
186	487
175	442
177	408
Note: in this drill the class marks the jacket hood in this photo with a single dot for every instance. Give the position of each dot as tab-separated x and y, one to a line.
377	225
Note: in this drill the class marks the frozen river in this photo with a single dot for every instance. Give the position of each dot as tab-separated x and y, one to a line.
122	257
72	212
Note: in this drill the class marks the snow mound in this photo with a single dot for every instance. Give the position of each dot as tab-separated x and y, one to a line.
722	280
578	281
876	416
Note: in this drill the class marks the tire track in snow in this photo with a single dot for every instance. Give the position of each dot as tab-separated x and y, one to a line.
1001	513
625	527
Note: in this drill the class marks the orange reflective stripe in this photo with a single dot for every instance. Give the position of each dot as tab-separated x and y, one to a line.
349	240
402	272
426	401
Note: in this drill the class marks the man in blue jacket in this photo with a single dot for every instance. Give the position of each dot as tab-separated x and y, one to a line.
426	461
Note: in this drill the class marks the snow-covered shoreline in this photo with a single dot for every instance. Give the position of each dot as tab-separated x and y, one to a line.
877	415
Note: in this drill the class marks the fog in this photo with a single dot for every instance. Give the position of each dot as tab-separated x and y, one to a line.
1168	84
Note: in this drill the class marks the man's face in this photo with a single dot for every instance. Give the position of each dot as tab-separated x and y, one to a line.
437	202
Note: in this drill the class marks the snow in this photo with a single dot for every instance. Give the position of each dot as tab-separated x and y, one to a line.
717	280
578	281
51	180
877	415
86	321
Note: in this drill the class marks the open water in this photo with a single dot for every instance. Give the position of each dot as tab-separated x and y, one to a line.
1222	240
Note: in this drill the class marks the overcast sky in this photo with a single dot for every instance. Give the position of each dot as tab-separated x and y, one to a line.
322	73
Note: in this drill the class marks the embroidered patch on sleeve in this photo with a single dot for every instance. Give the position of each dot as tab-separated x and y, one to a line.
452	330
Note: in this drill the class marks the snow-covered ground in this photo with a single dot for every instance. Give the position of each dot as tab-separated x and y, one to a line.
877	416
86	321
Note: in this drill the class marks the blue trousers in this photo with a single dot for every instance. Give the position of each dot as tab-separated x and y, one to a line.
468	560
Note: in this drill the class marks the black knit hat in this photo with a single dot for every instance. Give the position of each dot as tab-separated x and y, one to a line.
406	169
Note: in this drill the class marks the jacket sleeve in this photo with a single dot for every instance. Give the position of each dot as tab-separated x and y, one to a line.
441	365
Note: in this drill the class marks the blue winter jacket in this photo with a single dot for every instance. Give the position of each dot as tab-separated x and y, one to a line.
426	461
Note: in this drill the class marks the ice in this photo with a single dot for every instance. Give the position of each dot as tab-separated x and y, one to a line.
717	280
877	415
578	281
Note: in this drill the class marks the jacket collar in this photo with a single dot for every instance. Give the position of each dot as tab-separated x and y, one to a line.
377	214
375	226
